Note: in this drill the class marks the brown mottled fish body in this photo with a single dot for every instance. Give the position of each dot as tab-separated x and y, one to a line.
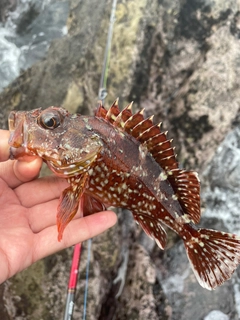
120	159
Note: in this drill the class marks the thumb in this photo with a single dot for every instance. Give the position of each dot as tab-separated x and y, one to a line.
27	168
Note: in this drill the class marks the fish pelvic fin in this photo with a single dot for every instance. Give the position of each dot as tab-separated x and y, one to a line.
91	205
214	256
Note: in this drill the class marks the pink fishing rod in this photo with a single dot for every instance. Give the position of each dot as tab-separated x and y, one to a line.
72	282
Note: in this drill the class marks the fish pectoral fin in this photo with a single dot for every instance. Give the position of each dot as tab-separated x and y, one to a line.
69	202
91	205
214	256
152	228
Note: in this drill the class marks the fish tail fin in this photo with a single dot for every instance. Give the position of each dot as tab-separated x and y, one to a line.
213	255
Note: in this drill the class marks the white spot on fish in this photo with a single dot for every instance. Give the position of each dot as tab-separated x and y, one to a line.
98	168
163	176
124	186
174	197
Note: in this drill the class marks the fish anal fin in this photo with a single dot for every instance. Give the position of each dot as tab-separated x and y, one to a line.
152	228
186	186
91	205
69	202
214	256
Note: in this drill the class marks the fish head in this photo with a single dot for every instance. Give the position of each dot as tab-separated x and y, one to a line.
61	139
34	132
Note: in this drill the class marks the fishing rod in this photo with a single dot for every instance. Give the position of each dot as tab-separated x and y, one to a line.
72	282
102	93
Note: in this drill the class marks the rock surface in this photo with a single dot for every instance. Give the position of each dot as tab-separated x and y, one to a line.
179	60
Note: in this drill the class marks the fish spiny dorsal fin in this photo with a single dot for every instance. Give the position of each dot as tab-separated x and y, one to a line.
156	141
147	133
134	120
123	116
186	186
144	131
109	115
101	111
160	148
141	127
113	112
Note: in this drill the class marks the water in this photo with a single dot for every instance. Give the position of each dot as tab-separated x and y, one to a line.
27	34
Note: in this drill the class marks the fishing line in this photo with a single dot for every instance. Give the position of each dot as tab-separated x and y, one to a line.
102	93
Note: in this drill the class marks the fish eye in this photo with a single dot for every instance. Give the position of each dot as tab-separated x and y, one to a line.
49	120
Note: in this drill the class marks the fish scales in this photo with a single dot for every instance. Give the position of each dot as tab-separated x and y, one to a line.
117	158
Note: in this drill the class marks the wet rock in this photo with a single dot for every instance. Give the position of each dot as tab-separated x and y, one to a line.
187	299
5	7
216	314
27	34
222	182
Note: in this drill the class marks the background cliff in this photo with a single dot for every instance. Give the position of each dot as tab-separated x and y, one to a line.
180	60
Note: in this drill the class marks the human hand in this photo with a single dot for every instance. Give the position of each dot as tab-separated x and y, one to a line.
28	230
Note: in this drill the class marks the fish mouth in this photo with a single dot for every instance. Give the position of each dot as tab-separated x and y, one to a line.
18	139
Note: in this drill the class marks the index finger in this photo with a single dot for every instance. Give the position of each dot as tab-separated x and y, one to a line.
4	147
76	231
